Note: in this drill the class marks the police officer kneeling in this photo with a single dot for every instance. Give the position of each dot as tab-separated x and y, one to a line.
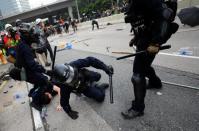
75	77
152	23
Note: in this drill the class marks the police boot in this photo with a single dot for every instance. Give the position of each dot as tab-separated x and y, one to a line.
154	83
130	114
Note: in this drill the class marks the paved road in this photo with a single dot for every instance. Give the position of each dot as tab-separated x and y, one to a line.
116	38
170	109
175	110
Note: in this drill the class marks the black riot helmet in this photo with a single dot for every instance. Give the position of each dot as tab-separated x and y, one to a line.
27	33
64	73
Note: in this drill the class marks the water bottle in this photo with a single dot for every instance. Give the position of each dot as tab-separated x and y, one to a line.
69	46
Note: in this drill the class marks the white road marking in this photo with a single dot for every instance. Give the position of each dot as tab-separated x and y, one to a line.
180	85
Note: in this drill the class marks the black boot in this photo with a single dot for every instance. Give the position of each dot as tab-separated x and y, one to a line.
130	114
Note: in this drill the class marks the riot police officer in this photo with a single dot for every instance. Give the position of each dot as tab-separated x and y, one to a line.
26	68
152	23
75	77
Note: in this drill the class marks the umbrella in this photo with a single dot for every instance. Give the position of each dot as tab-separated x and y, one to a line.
189	16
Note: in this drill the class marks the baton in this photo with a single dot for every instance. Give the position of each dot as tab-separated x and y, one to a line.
111	88
55	51
53	64
144	51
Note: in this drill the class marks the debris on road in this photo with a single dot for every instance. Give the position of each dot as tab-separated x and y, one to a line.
86	44
107	48
23	102
120	52
159	93
119	29
18	95
5	92
185	51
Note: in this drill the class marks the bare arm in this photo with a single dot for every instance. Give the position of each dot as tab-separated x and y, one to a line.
57	89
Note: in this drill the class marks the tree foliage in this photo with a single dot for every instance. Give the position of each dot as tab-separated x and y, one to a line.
90	6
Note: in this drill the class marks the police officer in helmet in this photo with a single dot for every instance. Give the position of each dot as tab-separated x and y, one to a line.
76	78
152	23
27	69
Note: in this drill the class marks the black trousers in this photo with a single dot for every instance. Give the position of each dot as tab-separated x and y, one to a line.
95	23
48	47
142	68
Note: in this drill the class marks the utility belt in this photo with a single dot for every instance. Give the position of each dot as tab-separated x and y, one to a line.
79	87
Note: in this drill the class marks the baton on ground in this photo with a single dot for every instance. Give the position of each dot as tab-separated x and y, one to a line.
111	88
144	51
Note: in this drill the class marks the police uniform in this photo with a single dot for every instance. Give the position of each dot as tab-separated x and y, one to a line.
152	23
26	64
74	77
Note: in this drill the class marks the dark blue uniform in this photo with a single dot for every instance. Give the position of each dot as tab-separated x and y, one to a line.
34	71
87	80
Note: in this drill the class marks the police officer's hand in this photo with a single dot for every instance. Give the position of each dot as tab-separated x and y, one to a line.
73	114
109	70
153	48
133	42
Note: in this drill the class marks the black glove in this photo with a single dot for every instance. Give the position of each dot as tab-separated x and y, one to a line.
133	41
49	72
109	70
73	114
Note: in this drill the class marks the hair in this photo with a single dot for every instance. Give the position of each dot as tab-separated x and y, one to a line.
44	99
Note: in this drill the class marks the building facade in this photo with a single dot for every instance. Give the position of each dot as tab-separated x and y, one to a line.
13	7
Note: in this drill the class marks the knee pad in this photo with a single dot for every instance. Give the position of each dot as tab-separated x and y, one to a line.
138	79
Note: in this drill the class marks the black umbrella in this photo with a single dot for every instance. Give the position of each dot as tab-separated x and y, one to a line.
189	16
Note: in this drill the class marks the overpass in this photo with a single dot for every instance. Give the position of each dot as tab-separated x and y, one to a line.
47	11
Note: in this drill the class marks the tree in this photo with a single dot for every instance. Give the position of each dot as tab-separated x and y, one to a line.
89	6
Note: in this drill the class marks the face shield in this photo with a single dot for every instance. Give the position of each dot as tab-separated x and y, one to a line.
64	73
